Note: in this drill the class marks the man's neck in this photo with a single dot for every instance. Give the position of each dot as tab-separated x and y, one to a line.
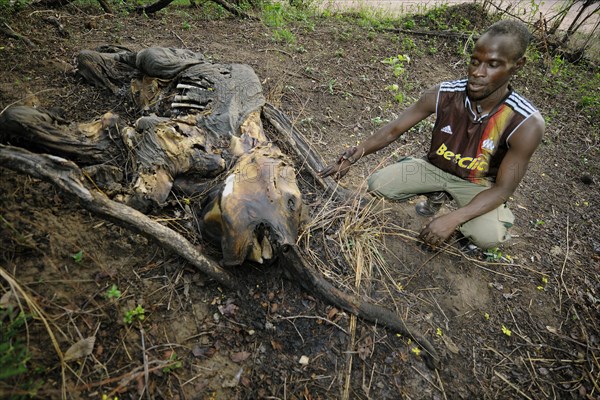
489	103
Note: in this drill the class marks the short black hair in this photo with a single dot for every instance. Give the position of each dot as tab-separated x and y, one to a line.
515	29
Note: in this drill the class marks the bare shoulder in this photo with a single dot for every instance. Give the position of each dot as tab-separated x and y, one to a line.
528	136
428	99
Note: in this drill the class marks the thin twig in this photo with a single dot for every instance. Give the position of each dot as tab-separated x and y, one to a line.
437	373
145	360
512	385
426	378
23	99
179	37
314	317
347	380
562	271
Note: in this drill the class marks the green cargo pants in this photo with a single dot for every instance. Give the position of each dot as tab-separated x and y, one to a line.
411	176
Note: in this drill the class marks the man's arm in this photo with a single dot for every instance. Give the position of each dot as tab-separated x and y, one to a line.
523	143
414	114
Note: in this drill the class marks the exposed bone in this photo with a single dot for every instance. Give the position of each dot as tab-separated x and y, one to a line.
188	86
267	250
187	105
255	252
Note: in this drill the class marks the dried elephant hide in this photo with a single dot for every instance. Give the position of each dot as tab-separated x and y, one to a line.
198	118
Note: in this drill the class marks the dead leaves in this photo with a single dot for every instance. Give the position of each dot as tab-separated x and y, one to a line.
365	348
203	351
80	349
239	357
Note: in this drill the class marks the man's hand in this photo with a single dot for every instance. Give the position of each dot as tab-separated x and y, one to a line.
438	230
341	166
338	170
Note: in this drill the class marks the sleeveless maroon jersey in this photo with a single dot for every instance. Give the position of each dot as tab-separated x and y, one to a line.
469	147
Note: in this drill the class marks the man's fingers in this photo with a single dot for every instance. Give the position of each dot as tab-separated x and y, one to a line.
327	171
429	237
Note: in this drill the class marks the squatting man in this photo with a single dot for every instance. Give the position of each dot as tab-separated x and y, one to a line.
483	138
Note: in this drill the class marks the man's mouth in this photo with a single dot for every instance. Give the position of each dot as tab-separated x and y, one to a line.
475	87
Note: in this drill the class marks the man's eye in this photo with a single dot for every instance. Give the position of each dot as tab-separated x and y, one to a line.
474	62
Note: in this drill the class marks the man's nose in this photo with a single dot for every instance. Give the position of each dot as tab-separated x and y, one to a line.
479	70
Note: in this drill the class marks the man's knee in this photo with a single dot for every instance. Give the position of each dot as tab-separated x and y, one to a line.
374	184
484	233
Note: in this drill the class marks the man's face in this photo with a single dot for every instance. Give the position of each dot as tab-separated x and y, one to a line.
492	64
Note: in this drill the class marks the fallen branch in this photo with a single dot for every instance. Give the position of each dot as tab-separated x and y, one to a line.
67	176
154	7
234	10
10	32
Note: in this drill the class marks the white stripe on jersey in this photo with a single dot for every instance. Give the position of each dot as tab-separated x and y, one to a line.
453	86
520	104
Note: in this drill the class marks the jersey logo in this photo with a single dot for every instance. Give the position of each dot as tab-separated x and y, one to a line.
488	144
447	130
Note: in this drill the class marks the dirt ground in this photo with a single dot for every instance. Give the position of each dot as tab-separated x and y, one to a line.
525	325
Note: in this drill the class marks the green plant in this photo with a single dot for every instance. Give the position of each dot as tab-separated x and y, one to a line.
395	90
77	257
283	35
330	86
409	24
397	63
135	314
379	121
495	255
14	355
175	364
186	25
558	65
408	44
113	292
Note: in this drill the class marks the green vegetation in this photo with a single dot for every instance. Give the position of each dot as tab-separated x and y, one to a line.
78	257
175	364
398	66
14	355
284	35
113	292
495	255
284	19
136	314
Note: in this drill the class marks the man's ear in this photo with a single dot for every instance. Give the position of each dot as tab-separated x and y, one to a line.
520	63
